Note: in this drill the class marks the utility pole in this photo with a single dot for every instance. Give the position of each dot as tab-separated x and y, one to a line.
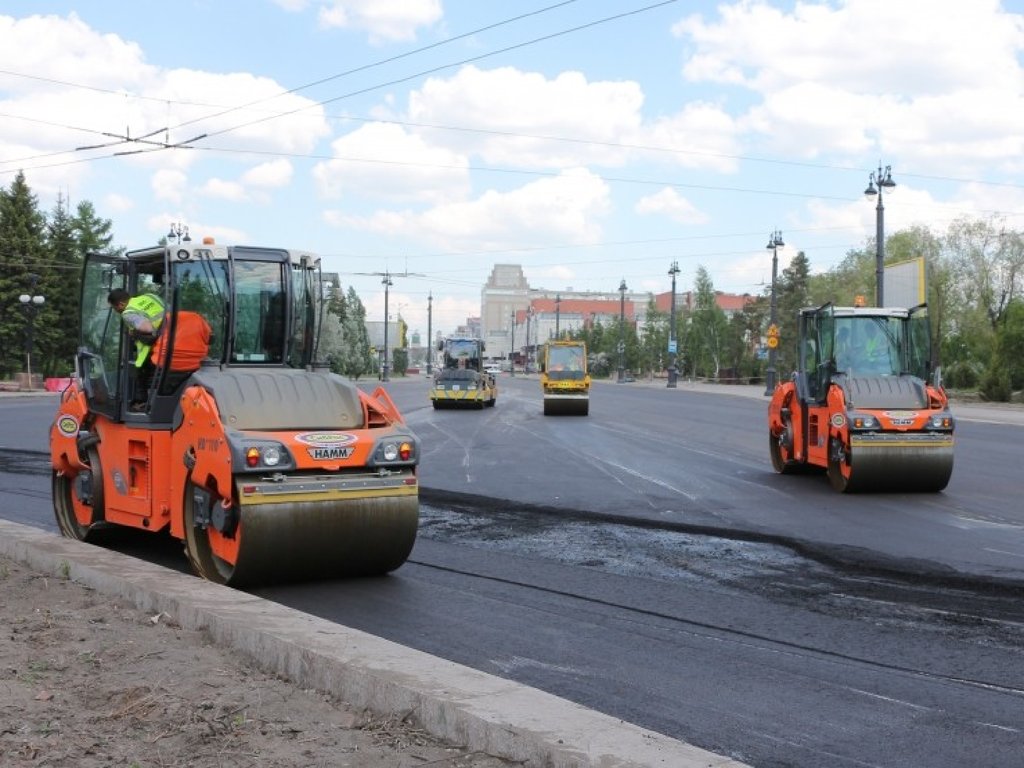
512	346
622	331
430	335
558	312
386	276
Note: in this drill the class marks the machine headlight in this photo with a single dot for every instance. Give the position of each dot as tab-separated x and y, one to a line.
396	450
271	455
941	421
863	421
266	455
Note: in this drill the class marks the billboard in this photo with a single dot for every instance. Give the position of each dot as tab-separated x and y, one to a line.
906	283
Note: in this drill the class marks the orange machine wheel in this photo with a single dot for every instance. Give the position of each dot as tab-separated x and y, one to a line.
212	554
78	500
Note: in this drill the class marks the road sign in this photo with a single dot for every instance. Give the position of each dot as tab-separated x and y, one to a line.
672	347
773	331
773	342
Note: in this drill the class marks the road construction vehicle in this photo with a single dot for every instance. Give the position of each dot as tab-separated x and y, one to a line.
865	403
564	380
267	466
461	380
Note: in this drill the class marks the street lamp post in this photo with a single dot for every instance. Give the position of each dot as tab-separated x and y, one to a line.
673	371
512	348
558	311
386	282
179	231
622	330
529	317
774	243
883	179
30	303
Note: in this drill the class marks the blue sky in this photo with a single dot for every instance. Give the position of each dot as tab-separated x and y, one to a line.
589	141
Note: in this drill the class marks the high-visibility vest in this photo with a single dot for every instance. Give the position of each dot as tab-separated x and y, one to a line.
151	307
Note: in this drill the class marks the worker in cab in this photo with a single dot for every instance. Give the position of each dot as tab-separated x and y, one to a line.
875	350
143	316
189	347
843	353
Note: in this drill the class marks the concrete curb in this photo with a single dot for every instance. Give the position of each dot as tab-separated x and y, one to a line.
450	701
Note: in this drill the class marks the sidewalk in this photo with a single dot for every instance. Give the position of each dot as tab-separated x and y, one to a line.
112	659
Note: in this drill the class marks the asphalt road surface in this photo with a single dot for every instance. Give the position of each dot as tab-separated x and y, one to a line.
646	562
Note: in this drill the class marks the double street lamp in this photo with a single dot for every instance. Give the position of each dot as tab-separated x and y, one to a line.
774	243
622	331
876	183
179	231
673	371
31	304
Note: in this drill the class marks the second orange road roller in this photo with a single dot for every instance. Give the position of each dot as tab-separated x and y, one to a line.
267	466
865	403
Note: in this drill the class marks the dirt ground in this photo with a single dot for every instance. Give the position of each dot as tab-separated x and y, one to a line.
87	681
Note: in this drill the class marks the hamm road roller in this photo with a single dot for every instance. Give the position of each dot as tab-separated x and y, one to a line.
564	380
864	404
267	466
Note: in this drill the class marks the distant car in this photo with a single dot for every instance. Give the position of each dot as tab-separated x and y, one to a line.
494	370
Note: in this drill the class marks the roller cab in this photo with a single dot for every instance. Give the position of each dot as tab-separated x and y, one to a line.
461	380
564	380
864	405
267	466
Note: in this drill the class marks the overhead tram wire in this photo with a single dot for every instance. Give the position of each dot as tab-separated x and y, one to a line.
381	62
442	67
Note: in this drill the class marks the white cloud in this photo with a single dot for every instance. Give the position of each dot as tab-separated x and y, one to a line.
169	185
567	208
933	82
118	203
385	161
670	203
384	20
509	107
275	174
224	190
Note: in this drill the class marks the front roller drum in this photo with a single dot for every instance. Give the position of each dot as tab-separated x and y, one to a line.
302	540
78	500
566	406
912	466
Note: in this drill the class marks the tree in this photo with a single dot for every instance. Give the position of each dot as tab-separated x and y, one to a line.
22	254
793	295
92	232
58	343
356	358
707	333
332	336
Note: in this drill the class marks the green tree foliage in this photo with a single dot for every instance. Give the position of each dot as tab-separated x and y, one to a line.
356	359
708	329
23	270
1005	372
653	349
794	294
57	343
